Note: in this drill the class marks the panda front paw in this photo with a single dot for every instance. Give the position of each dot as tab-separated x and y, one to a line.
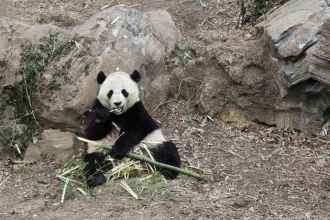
96	180
118	152
170	174
101	114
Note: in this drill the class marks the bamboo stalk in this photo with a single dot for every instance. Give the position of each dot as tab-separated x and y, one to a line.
145	159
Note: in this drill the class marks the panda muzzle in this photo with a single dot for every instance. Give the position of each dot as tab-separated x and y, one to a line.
118	109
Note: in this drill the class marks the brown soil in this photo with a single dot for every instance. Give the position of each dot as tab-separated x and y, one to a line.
260	173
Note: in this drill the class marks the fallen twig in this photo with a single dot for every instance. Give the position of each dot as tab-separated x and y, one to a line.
4	180
161	105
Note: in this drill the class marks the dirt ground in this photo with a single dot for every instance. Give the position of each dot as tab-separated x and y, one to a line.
259	173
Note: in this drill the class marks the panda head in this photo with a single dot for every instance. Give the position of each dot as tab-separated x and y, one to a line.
118	91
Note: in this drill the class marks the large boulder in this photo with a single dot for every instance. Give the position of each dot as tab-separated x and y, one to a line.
119	38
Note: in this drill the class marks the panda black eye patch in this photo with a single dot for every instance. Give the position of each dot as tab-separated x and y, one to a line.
125	93
110	94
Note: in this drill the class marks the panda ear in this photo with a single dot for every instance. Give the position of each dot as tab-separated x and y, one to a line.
101	77
135	76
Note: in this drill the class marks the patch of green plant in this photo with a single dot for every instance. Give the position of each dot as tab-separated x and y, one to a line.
70	192
172	61
184	46
22	168
74	170
72	181
34	191
25	96
150	191
182	54
168	195
251	10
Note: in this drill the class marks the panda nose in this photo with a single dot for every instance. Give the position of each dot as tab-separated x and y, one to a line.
117	103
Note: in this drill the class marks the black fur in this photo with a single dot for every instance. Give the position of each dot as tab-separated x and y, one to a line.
125	93
135	76
110	93
167	153
100	124
95	166
135	125
100	77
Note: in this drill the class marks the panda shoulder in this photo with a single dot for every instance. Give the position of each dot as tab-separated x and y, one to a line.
137	112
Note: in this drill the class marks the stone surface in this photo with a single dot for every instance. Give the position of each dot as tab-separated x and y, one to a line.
297	37
231	84
295	26
54	145
166	31
291	32
319	67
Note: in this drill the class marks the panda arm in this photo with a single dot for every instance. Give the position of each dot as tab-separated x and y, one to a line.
97	130
100	111
128	139
124	144
135	126
100	123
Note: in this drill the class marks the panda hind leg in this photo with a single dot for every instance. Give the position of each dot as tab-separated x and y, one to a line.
94	168
167	153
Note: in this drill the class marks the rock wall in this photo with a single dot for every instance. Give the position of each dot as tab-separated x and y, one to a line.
278	74
293	34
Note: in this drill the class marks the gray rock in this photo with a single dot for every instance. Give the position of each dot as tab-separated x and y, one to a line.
291	31
319	67
297	36
55	145
166	31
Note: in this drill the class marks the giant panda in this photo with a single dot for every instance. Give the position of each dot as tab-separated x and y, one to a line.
118	105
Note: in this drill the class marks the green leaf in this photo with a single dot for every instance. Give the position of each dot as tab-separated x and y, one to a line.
183	46
173	60
42	182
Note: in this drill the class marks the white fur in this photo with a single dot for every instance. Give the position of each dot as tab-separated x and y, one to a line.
116	82
153	139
